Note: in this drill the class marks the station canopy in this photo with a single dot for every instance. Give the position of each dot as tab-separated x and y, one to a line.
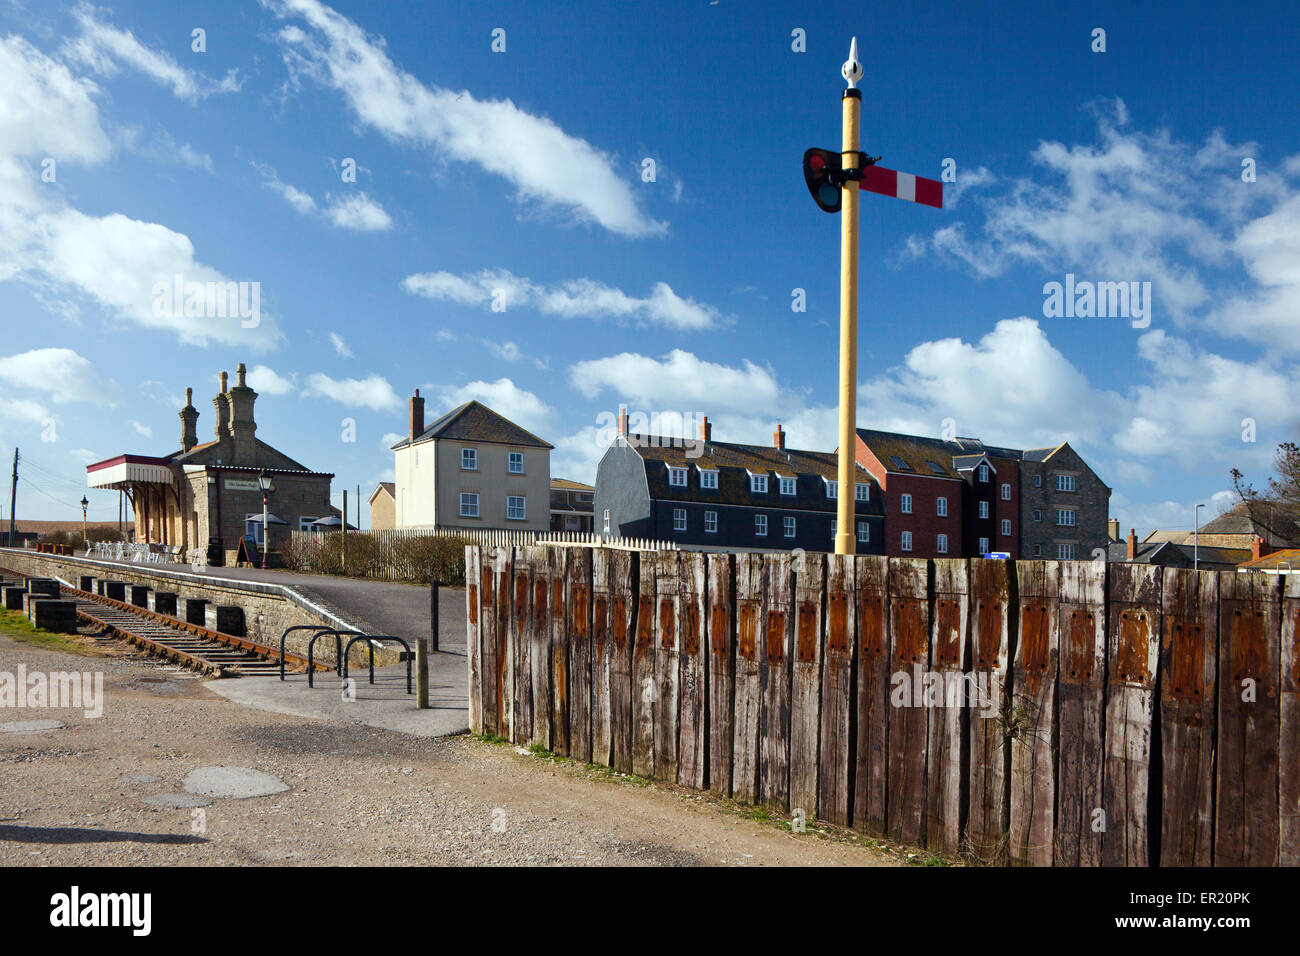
122	472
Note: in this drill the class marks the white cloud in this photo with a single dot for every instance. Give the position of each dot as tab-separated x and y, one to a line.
340	346
266	381
575	298
61	373
680	381
372	392
85	456
141	429
505	398
101	47
22	410
358	212
544	163
295	197
387	442
1270	315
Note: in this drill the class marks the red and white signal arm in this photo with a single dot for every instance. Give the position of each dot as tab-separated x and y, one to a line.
890	182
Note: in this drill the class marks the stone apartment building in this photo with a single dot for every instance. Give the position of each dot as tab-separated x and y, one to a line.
1064	506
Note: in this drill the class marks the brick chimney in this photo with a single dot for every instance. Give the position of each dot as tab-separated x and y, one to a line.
778	437
1132	544
1259	548
622	420
706	429
222	405
417	415
242	427
189	422
1112	529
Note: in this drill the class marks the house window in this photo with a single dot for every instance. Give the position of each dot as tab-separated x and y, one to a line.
1006	491
516	508
1038	514
304	523
984	509
1038	550
1006	527
1065	517
469	459
984	545
862	492
941	544
864	532
832	529
832	489
984	473
1038	481
758	484
711	522
907	541
1065	482
468	504
760	525
677	477
941	507
606	529
516	463
679	519
906	505
1065	552
787	486
789	527
708	479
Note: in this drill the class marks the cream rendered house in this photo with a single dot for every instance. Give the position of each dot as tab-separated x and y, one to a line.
471	468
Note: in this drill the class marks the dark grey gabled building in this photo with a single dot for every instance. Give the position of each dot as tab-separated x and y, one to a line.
702	494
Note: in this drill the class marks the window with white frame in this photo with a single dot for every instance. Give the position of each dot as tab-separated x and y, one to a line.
606	527
1065	482
905	505
984	545
468	504
788	486
710	522
832	488
984	509
304	523
907	541
469	459
984	473
1065	552
516	508
708	478
758	484
1006	491
1065	517
1038	514
679	519
941	507
760	525
1006	527
677	477
862	492
833	526
516	462
941	544
1038	481
864	532
788	524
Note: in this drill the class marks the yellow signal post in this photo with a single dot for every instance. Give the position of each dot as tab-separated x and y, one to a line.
845	528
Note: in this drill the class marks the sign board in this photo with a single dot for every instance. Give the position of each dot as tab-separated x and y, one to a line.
233	484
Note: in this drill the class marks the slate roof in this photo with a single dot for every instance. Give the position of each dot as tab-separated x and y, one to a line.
1239	520
735	463
1270	562
475	422
1160	552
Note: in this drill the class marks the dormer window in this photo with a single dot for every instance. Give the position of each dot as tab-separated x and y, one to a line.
862	492
832	488
677	477
758	484
984	473
788	485
708	478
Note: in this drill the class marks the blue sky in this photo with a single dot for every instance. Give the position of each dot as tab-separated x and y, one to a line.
519	178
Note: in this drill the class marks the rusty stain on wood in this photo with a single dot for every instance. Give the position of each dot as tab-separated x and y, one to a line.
745	642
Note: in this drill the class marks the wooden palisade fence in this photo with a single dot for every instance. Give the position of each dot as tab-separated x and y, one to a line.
1068	713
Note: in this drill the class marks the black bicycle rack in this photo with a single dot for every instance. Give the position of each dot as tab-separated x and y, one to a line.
287	631
373	638
340	664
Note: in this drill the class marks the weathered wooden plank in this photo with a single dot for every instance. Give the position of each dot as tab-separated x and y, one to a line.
805	683
622	587
871	615
835	751
1081	708
502	669
949	718
1133	655
601	626
992	617
1189	663
692	757
909	647
722	671
1029	722
474	635
667	663
559	659
751	611
579	613
774	709
539	652
1246	818
1289	722
521	648
643	670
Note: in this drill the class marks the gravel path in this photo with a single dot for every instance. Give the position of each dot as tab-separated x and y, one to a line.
356	794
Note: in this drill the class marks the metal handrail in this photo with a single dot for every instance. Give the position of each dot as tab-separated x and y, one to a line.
339	662
373	639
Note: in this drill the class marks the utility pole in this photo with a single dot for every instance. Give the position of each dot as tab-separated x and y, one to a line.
343	530
13	500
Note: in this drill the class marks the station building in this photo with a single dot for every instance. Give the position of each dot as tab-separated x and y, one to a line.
207	495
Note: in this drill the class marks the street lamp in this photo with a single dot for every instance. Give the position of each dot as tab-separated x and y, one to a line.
264	482
84	505
1196	537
